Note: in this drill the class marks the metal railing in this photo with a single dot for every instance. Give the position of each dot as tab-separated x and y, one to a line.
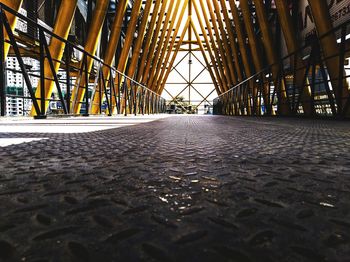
117	93
266	93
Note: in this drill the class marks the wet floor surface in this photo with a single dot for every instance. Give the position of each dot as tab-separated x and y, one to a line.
183	188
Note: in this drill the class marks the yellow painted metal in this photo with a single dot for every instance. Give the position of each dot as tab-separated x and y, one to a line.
138	42
111	49
330	48
216	49
269	47
15	5
62	27
129	38
167	43
156	40
149	37
210	52
165	78
252	40
90	47
243	51
232	40
205	57
292	46
159	82
220	45
163	42
253	43
228	51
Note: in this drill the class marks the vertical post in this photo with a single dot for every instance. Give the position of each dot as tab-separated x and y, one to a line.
261	86
42	76
2	67
269	109
294	81
100	91
341	69
68	83
126	98
118	91
111	89
86	86
142	101
135	100
312	100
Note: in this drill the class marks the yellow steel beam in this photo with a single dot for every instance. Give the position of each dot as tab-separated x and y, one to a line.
124	56
209	49
217	50
292	46
165	78
15	5
141	36
158	81
157	61
62	27
228	51
220	44
155	40
269	47
90	47
330	48
242	48
253	43
149	37
205	58
111	48
232	40
138	43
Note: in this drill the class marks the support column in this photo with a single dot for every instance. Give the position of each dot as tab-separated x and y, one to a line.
62	27
165	78
148	37
232	40
15	5
163	44
111	48
330	48
218	78
224	58
289	33
155	40
90	47
129	38
253	43
205	57
216	50
226	45
158	81
271	55
138	44
243	51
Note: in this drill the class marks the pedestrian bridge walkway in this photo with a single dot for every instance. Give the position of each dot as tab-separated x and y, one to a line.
175	188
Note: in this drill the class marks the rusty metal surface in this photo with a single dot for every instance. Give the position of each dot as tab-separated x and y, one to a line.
184	188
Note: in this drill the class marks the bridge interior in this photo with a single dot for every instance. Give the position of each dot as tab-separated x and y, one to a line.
103	156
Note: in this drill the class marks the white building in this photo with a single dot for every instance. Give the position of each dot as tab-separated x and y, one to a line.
15	82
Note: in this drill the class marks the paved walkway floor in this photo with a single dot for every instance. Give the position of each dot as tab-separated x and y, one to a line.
182	188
